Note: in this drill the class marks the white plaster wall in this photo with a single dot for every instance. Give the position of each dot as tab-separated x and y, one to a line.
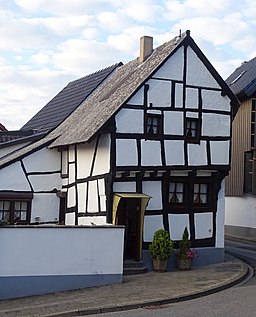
215	124
213	100
174	152
64	162
46	182
137	99
45	206
151	225
126	152
129	121
177	224
173	67
219	243
71	173
197	73
203	225
241	211
28	251
71	153
150	153
173	123
70	219
102	160
85	154
159	93
71	197
192	98
44	160
124	187
178	95
220	152
153	189
102	193
93	204
87	221
12	177
197	154
82	195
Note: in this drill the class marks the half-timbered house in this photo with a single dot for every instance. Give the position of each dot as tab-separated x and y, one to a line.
241	182
149	149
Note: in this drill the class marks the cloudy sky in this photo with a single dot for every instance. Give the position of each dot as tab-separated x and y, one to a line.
44	44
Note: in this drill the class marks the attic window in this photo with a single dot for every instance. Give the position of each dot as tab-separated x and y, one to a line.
192	132
153	125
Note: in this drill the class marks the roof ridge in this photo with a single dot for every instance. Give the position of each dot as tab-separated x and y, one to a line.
96	72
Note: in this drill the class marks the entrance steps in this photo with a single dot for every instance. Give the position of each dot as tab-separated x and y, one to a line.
132	267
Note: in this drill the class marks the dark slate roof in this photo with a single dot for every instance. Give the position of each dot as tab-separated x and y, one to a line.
243	80
6	136
66	101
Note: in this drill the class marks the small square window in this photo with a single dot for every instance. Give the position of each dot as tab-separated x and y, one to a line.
192	129
153	125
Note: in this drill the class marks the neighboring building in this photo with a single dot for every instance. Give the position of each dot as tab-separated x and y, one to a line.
241	182
150	148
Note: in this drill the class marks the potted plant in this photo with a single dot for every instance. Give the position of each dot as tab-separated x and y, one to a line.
160	249
185	254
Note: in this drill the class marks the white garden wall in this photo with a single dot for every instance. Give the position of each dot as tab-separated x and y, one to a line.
43	259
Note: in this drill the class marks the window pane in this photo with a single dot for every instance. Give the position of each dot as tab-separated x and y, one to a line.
23	215
7	216
24	205
176	194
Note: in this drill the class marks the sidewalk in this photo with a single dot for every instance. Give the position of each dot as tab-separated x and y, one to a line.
136	291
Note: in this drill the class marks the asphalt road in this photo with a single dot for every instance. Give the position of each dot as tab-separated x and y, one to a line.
238	301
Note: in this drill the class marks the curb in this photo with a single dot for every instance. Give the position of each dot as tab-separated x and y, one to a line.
245	275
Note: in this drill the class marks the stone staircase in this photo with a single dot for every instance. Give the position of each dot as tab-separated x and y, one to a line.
132	267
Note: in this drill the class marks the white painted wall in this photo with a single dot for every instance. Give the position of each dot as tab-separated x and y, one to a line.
137	99
98	221
82	196
151	225
46	182
213	100
159	93
12	177
177	224
173	123
93	204
44	160
84	159
220	152
174	152
129	121
197	73
150	153
124	187
203	225
173	67
49	251
126	152
192	98
241	211
102	159
153	189
214	124
45	206
197	154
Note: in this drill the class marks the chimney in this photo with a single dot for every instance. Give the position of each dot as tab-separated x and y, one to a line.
146	47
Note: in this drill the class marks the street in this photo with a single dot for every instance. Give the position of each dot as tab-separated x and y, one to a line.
238	301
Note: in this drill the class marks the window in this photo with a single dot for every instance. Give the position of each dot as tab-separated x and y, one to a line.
176	193
15	212
192	129
200	195
153	125
15	208
191	194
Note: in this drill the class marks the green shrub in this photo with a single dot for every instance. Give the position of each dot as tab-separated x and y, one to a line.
161	247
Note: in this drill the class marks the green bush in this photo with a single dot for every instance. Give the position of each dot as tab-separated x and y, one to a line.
161	247
184	245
